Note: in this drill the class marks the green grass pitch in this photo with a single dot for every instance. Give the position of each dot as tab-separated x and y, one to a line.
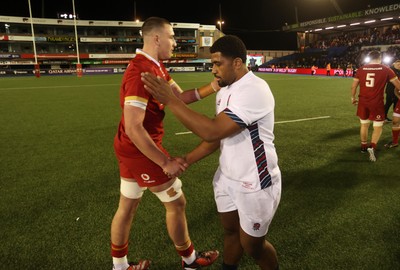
59	182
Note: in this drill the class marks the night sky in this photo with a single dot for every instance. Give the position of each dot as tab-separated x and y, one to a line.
257	22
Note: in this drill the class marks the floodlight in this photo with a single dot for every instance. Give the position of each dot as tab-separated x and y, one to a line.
387	59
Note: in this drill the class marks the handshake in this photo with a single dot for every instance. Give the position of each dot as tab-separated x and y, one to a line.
175	166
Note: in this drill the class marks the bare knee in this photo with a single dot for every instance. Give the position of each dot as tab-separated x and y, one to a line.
127	207
260	250
254	250
176	206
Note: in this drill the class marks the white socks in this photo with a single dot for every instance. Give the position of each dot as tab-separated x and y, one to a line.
120	263
190	259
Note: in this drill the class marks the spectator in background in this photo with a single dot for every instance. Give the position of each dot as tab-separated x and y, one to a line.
372	78
328	69
252	63
391	98
313	69
344	69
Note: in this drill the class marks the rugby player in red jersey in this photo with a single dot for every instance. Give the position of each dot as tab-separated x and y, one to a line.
371	80
143	161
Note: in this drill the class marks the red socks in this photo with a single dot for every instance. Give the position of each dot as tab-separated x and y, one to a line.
119	251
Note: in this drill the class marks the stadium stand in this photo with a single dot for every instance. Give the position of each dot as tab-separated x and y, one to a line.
107	46
342	40
103	46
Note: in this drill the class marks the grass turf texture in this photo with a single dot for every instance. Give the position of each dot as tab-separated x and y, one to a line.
59	179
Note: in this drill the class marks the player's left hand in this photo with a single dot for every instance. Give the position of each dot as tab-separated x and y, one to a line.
158	88
215	86
182	161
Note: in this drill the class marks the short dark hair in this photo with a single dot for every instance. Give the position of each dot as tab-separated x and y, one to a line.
230	46
152	23
374	55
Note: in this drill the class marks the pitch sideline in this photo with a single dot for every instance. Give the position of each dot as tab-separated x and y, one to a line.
279	122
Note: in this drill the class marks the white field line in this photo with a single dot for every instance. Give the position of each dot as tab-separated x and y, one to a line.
280	122
183	133
59	86
301	120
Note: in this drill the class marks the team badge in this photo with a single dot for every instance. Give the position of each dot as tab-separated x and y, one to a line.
256	226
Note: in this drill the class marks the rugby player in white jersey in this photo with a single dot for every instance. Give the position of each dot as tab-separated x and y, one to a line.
247	183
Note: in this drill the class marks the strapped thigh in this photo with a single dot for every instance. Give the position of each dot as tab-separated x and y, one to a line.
172	193
131	190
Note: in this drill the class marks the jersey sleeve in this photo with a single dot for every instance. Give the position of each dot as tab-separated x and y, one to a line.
134	92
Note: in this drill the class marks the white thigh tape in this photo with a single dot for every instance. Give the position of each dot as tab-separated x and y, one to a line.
172	193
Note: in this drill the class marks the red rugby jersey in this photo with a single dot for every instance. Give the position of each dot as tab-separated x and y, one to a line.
373	78
132	89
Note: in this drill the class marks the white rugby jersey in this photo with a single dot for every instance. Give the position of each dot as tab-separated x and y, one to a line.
249	157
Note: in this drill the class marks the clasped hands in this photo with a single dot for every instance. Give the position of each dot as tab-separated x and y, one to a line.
175	167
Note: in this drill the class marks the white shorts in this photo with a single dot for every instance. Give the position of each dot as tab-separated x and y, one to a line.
255	209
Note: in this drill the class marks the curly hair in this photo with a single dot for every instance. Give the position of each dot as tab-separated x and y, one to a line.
230	46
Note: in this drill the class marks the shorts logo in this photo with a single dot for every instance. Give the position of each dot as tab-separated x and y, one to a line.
256	226
171	192
145	177
247	185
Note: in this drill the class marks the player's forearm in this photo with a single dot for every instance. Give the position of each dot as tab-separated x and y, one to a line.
353	91
199	124
201	151
193	95
146	145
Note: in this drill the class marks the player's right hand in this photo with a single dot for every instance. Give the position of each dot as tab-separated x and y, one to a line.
173	168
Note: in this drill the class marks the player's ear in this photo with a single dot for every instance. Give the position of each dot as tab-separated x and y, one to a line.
237	62
156	38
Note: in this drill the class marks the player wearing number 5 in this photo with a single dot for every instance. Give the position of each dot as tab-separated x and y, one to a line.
371	79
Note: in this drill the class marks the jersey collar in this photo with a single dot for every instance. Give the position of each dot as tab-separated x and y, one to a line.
139	51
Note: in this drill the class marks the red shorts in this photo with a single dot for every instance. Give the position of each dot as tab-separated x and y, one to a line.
373	113
143	170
